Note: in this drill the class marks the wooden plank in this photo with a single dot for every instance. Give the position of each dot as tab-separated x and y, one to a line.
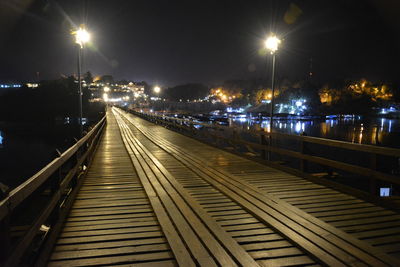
338	207
106	217
363	221
251	232
259	238
110	211
111	237
241	227
275	253
267	245
378	233
111	225
88	253
110	244
287	261
111	221
113	259
379	213
164	263
355	212
372	226
102	232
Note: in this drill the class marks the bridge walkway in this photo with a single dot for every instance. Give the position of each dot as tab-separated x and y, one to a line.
154	197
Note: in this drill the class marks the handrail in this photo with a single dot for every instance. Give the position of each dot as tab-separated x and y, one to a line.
83	150
20	193
370	171
385	151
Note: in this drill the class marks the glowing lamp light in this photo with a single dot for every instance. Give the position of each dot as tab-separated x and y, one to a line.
105	97
157	89
82	36
272	43
106	89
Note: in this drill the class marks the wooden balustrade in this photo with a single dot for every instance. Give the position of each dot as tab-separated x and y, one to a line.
302	152
39	205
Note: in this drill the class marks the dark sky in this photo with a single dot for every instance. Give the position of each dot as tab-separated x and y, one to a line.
171	42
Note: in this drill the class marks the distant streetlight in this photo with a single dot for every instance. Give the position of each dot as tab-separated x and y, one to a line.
81	38
157	89
272	44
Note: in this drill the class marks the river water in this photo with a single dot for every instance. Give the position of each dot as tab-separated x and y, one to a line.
24	150
374	131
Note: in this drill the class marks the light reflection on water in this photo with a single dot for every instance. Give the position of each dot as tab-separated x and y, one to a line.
378	131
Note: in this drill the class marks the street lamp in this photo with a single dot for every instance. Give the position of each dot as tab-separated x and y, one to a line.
272	44
157	89
81	38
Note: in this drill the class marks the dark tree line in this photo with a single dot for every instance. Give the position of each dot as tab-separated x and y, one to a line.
51	100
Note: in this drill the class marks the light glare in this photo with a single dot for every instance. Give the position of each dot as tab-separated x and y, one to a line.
82	36
157	89
272	43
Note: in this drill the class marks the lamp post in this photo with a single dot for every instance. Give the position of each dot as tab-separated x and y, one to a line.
272	44
81	37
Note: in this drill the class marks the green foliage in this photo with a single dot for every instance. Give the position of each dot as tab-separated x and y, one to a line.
88	77
107	79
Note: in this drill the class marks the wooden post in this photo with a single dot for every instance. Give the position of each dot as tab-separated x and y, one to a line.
264	142
235	138
55	187
372	179
193	129
303	151
5	237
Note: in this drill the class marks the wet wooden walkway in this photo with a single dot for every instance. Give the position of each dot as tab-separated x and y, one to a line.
153	197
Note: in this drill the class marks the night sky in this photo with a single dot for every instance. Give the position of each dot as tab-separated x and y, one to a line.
173	42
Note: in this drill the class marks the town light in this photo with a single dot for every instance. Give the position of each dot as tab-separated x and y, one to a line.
272	43
82	36
157	89
106	89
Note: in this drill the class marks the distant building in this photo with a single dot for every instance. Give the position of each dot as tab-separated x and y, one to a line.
136	88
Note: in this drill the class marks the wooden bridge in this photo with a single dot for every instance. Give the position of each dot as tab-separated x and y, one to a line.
149	196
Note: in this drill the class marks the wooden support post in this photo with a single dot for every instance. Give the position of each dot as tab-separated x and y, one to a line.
303	150
193	129
264	142
235	138
55	187
372	180
5	238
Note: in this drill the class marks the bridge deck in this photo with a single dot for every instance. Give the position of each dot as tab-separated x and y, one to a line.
154	197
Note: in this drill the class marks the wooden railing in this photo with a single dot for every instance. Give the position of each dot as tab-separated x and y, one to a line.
31	215
369	167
